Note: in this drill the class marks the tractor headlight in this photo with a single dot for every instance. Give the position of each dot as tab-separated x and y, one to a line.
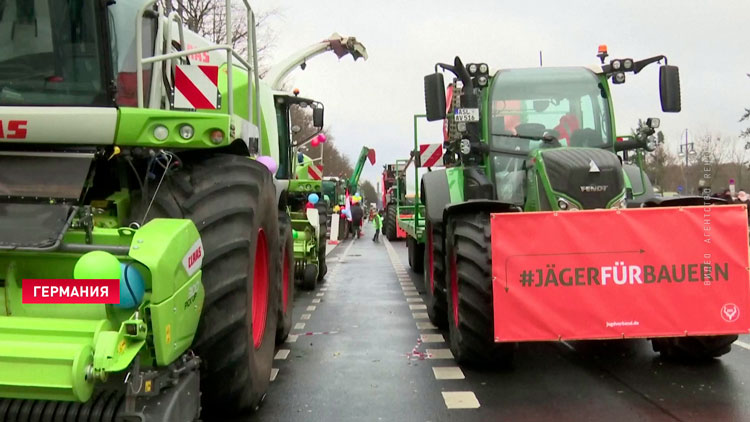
465	146
627	64
472	68
566	205
161	132
482	81
186	131
619	78
217	136
616	64
483	68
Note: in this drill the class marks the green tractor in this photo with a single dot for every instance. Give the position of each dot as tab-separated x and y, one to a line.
525	140
135	152
310	229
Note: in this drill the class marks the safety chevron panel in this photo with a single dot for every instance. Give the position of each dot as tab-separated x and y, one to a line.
196	87
430	155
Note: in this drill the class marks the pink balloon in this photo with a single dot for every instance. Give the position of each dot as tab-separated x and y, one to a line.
322	138
315	142
269	162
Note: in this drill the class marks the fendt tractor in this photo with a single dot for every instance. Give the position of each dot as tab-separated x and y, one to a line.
530	148
135	151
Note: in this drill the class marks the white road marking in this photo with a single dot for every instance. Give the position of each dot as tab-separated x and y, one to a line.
305	316
274	373
417	307
316	301
411	293
282	354
312	308
448	373
460	400
432	338
413	299
412	288
426	326
299	326
324	289
292	338
420	315
320	294
439	354
742	344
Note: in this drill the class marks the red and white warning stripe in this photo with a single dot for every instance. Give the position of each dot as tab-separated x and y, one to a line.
315	171
196	87
431	155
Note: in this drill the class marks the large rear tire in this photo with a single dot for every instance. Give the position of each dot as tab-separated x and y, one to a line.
416	254
286	296
699	348
322	241
309	276
434	276
390	223
232	201
469	295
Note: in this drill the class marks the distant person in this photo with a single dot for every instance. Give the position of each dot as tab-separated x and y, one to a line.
377	221
357	215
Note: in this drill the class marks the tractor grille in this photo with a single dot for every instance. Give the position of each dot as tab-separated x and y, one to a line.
571	172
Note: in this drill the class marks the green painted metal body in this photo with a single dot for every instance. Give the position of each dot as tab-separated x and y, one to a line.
306	246
60	351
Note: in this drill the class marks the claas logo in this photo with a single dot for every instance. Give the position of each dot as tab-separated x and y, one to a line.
13	129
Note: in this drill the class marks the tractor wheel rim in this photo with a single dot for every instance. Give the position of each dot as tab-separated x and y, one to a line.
260	289
285	281
454	288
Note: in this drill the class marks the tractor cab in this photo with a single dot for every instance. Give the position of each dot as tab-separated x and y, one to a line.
542	108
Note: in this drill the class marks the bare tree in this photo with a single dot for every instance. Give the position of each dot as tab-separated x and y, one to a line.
369	193
745	117
208	18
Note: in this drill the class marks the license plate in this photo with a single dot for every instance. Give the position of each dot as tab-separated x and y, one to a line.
466	115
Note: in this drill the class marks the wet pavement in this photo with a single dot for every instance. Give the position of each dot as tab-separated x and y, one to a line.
364	350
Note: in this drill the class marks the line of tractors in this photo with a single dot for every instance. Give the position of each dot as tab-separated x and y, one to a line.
521	140
133	149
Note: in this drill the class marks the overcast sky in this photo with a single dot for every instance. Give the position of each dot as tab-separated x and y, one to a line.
371	103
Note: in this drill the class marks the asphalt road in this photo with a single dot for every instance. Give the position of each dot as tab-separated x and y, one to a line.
358	354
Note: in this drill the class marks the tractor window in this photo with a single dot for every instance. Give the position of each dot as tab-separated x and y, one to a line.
122	34
564	102
50	53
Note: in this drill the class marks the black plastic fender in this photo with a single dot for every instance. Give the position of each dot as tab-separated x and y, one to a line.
683	201
480	205
435	194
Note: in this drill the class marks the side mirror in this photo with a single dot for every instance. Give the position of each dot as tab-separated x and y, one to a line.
318	117
434	97
669	89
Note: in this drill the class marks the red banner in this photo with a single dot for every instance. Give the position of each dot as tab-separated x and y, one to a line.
70	291
599	274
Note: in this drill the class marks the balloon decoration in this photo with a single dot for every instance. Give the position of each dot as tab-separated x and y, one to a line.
315	142
300	157
313	198
269	162
322	138
336	208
